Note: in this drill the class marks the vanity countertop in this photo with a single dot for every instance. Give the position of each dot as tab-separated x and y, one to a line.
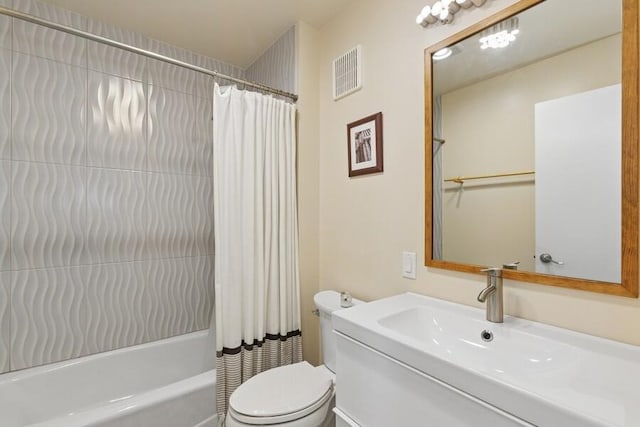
542	374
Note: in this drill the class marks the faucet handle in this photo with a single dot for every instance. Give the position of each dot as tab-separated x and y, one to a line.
511	266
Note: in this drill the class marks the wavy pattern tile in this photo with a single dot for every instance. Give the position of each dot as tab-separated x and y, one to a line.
5	30
277	66
179	291
119	34
51	13
112	60
204	137
44	42
203	293
5	215
5	321
115	215
118	62
70	234
5	103
171	131
48	215
117	120
118	306
49	102
48	316
168	281
169	220
202	214
169	76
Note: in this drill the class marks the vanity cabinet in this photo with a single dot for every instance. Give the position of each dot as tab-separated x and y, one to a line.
375	390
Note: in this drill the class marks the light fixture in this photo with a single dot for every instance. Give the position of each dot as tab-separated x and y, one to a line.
500	35
442	54
443	11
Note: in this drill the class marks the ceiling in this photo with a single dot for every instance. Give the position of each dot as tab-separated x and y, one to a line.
547	29
233	31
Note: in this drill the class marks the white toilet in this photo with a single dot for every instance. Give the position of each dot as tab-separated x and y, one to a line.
297	395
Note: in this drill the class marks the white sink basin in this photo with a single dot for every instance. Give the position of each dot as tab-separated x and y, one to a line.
545	375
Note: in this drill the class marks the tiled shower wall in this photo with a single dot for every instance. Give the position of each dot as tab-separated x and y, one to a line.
106	229
276	67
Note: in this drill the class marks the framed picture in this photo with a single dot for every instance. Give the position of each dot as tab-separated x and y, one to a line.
364	142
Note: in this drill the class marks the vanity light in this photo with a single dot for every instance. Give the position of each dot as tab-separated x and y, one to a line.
443	11
442	54
500	35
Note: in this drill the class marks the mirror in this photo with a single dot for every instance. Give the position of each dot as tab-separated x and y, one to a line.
531	145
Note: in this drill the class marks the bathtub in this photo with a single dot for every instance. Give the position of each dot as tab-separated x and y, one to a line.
165	383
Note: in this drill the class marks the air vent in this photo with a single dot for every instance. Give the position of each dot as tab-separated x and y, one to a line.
347	73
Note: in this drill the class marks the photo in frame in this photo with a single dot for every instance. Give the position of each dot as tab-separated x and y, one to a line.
364	144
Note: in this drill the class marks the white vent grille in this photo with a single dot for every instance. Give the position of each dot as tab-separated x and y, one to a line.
347	73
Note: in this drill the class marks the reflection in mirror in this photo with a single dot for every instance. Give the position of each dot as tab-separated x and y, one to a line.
527	142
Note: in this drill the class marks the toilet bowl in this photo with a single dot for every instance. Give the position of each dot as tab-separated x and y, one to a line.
297	395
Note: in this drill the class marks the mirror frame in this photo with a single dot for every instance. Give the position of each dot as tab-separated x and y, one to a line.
630	159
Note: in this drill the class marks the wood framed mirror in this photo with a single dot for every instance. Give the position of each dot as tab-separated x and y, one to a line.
531	148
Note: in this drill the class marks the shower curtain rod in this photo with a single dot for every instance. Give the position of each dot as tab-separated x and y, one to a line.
86	35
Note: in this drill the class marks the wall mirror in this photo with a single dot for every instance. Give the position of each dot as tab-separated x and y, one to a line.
532	145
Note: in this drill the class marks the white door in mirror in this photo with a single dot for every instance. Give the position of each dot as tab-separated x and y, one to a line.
577	193
409	265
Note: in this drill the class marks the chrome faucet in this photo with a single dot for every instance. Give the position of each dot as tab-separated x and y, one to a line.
492	295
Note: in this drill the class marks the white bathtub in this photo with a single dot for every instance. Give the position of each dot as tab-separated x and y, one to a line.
166	383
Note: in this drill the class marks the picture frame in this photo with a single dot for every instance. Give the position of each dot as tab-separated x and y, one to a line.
364	145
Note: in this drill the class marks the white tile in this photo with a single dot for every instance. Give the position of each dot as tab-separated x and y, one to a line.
170	227
172	119
6	24
201	299
118	34
201	223
44	42
5	215
51	13
170	76
116	223
204	137
117	62
48	215
181	295
49	106
5	104
117	122
48	316
172	51
117	304
5	320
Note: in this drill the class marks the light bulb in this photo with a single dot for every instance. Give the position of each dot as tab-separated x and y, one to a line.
442	54
436	9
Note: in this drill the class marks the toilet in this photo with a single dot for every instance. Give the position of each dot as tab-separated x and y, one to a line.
298	395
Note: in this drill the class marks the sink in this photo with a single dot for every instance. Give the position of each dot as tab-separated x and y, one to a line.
542	374
487	347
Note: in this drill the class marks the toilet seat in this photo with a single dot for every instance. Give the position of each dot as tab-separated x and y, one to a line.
281	395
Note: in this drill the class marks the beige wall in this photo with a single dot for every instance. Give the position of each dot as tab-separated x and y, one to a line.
491	222
365	223
308	182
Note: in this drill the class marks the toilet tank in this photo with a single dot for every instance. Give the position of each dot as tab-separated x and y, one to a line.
327	302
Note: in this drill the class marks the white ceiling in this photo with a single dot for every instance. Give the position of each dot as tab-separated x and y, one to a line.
547	29
234	31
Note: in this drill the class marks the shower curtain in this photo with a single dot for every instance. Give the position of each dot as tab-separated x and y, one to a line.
257	295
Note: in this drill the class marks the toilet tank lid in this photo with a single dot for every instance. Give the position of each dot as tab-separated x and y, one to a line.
329	301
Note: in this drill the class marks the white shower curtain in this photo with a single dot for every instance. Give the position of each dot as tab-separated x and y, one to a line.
257	308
